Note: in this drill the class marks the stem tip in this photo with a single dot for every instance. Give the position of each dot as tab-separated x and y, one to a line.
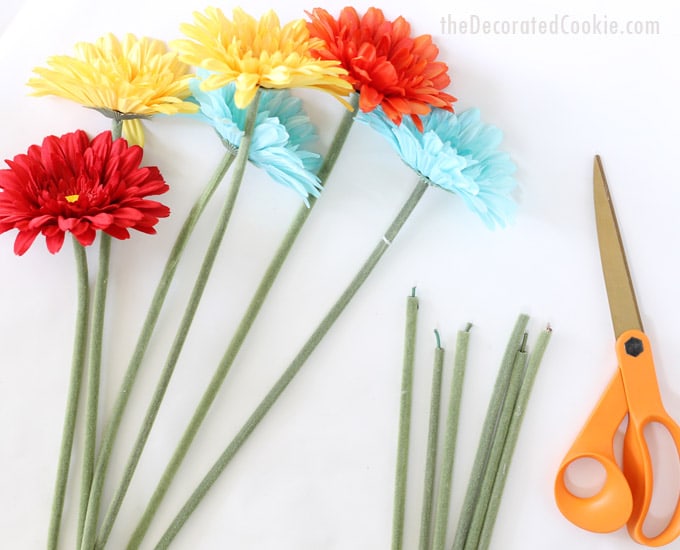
436	335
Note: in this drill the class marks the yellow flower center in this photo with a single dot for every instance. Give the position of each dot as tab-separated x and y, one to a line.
72	198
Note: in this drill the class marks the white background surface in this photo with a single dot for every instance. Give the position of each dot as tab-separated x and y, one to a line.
318	473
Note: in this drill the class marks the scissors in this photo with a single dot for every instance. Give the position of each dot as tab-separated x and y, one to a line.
626	495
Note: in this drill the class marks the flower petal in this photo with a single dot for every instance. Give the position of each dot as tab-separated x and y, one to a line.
24	240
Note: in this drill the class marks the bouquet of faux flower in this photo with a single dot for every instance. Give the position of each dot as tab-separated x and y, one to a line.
235	75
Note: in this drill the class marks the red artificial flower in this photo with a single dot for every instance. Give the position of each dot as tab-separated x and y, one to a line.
385	65
70	183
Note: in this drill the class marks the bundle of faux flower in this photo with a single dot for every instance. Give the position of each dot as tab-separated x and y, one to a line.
386	78
458	154
472	165
217	45
126	81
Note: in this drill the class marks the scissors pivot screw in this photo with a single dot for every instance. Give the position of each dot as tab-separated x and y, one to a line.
634	346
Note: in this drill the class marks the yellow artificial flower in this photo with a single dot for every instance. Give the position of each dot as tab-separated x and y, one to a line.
255	53
129	79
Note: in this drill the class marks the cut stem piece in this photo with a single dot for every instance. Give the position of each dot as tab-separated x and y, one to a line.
533	365
452	421
488	429
399	504
432	442
504	418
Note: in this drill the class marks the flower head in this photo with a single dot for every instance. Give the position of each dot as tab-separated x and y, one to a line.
70	183
385	65
457	153
257	54
282	129
133	78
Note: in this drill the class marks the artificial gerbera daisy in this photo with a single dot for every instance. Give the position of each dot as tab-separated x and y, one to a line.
129	79
256	54
384	63
71	183
458	153
282	131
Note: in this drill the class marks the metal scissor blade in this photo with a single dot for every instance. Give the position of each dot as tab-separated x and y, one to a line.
622	303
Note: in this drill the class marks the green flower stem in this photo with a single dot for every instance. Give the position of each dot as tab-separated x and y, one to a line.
406	394
93	377
511	439
240	335
112	426
77	365
432	439
94	365
504	418
452	420
295	366
185	324
241	162
116	128
486	438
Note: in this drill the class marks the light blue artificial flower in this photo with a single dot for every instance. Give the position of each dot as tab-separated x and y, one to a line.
282	128
457	153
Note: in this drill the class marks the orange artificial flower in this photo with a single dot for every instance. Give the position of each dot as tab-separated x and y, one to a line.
385	64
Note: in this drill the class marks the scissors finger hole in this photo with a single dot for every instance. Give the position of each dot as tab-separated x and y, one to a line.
666	474
585	477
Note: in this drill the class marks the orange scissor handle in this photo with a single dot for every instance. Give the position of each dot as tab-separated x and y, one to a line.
611	507
636	365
